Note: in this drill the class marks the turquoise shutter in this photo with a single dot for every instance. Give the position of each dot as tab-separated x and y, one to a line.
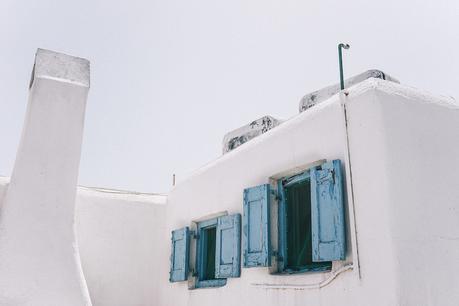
328	232
256	245
179	256
228	248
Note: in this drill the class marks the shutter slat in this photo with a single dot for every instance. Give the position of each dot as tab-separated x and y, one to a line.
179	255
328	230
256	245
228	248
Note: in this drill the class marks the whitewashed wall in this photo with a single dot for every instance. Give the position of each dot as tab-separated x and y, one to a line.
404	157
312	135
39	258
399	145
56	241
3	188
119	235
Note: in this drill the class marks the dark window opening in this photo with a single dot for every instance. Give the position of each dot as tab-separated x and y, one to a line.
299	250
209	247
298	244
206	263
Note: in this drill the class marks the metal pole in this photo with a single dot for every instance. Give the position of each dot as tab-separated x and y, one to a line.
340	55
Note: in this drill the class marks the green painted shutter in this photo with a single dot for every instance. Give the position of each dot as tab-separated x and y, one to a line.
256	242
179	256
327	200
228	247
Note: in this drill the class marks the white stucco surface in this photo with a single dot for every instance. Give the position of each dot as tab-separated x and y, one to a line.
405	157
63	245
399	146
39	259
119	237
311	136
3	187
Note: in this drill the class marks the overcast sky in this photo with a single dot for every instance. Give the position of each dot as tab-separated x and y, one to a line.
169	78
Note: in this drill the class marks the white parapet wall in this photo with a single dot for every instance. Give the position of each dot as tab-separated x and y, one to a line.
119	236
39	258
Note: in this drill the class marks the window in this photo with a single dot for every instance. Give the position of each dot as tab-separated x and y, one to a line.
295	230
217	252
206	248
308	221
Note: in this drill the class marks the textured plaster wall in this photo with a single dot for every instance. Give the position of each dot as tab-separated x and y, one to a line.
50	230
417	162
398	144
3	188
310	136
120	237
39	259
404	159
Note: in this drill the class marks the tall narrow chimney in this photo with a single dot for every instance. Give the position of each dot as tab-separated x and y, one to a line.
39	258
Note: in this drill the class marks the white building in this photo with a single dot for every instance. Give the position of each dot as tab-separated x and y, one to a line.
358	205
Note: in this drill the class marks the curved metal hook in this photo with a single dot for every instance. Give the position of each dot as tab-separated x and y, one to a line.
340	55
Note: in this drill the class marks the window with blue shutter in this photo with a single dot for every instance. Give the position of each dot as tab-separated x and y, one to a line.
179	256
328	230
228	248
311	229
295	230
218	249
256	235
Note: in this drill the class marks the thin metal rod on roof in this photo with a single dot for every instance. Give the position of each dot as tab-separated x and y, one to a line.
340	55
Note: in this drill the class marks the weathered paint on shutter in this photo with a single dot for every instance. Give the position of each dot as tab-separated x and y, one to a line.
327	200
256	242
228	248
179	256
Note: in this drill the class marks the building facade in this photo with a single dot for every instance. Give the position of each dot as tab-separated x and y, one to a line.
350	202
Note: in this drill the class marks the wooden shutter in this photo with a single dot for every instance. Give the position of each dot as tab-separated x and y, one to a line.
179	256
256	245
228	247
327	200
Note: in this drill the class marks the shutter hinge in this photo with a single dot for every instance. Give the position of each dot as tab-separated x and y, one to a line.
276	255
276	195
194	235
193	273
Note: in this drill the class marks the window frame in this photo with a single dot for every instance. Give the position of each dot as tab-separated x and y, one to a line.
281	268
201	226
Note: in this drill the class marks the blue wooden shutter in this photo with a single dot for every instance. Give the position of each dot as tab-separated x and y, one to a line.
327	200
256	245
228	248
179	256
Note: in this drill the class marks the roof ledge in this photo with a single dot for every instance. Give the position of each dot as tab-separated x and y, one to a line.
323	94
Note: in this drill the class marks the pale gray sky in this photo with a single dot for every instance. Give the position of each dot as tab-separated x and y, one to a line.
169	78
